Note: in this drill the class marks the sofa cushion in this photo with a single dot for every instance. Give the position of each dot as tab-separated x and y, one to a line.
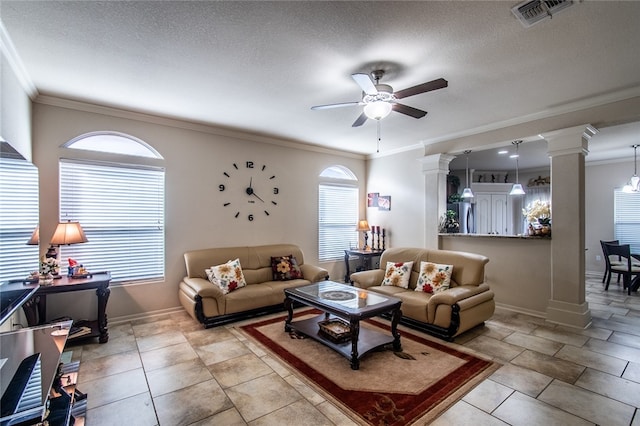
397	274
227	276
434	277
285	268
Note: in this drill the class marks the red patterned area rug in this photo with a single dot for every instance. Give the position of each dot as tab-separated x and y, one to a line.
390	388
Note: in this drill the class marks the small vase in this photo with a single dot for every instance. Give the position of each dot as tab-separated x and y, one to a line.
45	279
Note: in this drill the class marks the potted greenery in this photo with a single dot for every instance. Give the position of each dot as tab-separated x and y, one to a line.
449	223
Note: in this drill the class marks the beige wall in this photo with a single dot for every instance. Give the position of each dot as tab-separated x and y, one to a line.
600	182
400	176
15	109
195	157
518	272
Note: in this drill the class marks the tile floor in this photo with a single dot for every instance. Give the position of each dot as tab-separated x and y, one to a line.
169	371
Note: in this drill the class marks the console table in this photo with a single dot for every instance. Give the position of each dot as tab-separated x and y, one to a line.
35	308
364	256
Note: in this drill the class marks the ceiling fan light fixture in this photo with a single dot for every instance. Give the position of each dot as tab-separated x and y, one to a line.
377	110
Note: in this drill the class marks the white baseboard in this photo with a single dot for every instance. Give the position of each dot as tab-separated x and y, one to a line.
145	315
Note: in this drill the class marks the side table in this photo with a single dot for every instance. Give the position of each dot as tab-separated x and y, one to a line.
35	309
364	256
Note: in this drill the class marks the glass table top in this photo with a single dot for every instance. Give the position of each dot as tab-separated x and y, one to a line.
341	294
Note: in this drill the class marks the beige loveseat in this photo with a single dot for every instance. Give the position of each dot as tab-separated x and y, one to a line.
467	303
207	303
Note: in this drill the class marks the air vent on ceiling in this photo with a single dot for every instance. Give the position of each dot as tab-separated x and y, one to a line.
534	11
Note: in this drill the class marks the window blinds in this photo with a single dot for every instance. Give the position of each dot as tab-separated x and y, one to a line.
18	218
627	219
121	209
337	218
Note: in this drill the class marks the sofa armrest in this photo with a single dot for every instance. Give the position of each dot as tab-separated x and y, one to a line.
456	294
203	287
314	273
366	279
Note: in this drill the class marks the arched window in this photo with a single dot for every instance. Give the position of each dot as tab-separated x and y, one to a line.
113	143
337	212
120	206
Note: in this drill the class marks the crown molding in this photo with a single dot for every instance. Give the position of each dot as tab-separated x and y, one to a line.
188	125
569	107
13	59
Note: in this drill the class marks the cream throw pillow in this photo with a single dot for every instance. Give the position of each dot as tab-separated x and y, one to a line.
398	274
434	277
227	276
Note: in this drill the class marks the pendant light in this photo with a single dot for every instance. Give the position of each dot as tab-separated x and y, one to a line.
466	192
634	182
517	188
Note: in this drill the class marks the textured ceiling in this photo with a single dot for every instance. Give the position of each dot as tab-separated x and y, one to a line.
260	66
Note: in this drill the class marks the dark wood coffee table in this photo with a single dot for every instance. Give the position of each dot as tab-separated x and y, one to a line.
340	301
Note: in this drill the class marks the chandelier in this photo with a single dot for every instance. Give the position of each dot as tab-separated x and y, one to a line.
634	183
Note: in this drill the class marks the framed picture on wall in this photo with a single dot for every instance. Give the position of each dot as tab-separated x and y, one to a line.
372	199
384	202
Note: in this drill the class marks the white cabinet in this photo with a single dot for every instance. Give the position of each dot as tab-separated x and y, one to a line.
492	213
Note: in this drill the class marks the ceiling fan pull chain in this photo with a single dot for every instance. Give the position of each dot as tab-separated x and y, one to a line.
378	147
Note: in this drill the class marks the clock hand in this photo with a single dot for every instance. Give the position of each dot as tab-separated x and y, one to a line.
249	189
256	195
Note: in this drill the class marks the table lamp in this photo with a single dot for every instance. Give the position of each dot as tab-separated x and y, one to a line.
363	226
66	233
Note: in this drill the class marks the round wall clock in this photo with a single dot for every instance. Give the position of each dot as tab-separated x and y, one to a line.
249	190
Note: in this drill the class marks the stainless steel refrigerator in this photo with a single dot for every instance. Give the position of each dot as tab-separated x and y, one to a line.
466	214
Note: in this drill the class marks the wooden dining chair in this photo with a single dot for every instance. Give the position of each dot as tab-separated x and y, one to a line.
628	268
608	260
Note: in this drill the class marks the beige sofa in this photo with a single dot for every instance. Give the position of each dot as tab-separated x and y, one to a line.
207	303
467	303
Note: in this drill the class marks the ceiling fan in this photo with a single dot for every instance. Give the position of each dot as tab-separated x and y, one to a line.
380	99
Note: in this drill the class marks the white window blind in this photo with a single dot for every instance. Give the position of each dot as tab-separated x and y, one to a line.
627	219
18	218
338	216
121	209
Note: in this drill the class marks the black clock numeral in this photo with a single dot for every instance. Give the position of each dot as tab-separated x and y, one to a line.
221	187
235	166
249	164
237	214
276	190
266	212
250	217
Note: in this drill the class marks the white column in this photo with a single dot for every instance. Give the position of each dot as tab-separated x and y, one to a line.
435	169
567	149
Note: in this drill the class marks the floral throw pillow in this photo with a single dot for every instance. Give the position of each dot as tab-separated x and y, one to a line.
434	277
398	274
228	276
285	268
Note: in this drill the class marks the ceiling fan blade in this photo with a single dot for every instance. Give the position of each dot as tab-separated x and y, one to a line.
360	120
440	83
410	111
365	83
340	105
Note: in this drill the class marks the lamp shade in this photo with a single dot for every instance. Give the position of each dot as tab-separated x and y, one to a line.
35	237
467	193
377	110
363	225
68	233
517	189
